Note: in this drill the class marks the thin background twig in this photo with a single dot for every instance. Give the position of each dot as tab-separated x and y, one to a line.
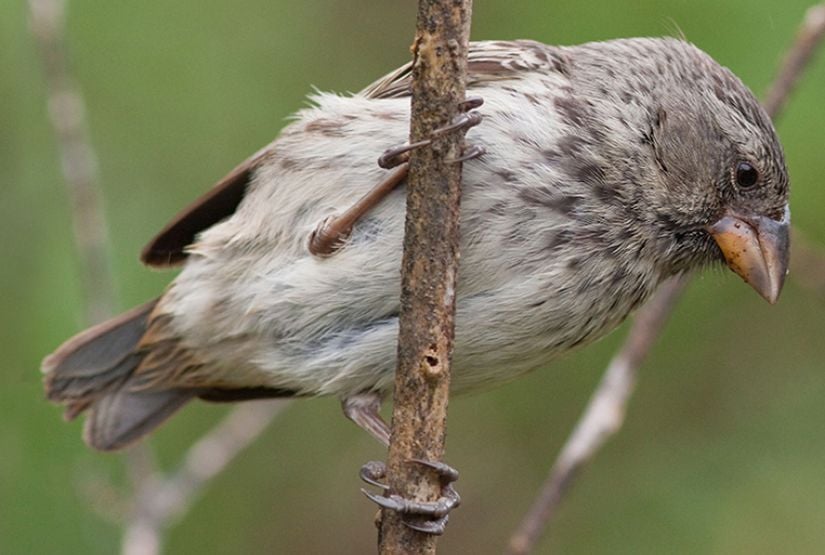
67	114
808	39
605	411
163	500
157	500
604	415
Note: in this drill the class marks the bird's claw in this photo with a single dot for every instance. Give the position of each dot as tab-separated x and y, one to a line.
398	155
372	472
470	103
470	152
446	473
464	120
429	517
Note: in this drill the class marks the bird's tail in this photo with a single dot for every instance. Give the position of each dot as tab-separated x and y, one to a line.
94	371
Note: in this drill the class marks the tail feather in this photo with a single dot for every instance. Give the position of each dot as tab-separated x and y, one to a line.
68	388
121	417
97	350
94	371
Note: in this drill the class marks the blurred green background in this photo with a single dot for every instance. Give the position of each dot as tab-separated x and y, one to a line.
724	443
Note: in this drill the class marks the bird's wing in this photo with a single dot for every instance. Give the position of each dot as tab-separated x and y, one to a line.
486	61
168	247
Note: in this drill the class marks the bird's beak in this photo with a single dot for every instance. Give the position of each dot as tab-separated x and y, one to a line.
756	248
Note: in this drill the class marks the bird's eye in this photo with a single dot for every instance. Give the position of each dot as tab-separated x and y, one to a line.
746	175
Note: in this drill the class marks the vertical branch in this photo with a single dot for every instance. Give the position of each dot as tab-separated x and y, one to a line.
604	414
429	267
67	113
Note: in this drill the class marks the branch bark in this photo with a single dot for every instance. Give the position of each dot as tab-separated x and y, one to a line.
604	414
429	268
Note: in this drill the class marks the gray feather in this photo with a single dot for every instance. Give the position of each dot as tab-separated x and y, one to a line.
123	416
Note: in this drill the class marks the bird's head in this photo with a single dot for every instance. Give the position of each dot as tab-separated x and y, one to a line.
722	186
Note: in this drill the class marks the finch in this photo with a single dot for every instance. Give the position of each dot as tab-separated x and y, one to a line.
607	168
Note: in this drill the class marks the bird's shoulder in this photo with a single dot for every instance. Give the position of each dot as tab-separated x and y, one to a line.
486	61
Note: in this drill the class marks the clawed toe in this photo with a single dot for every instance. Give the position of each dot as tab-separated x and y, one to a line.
434	527
372	473
471	103
465	120
470	152
446	473
400	154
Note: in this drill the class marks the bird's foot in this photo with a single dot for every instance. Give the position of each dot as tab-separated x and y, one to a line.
429	517
332	231
398	155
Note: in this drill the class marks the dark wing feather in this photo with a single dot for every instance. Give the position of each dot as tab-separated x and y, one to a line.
168	248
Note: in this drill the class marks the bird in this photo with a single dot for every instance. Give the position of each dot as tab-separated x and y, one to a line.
597	172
